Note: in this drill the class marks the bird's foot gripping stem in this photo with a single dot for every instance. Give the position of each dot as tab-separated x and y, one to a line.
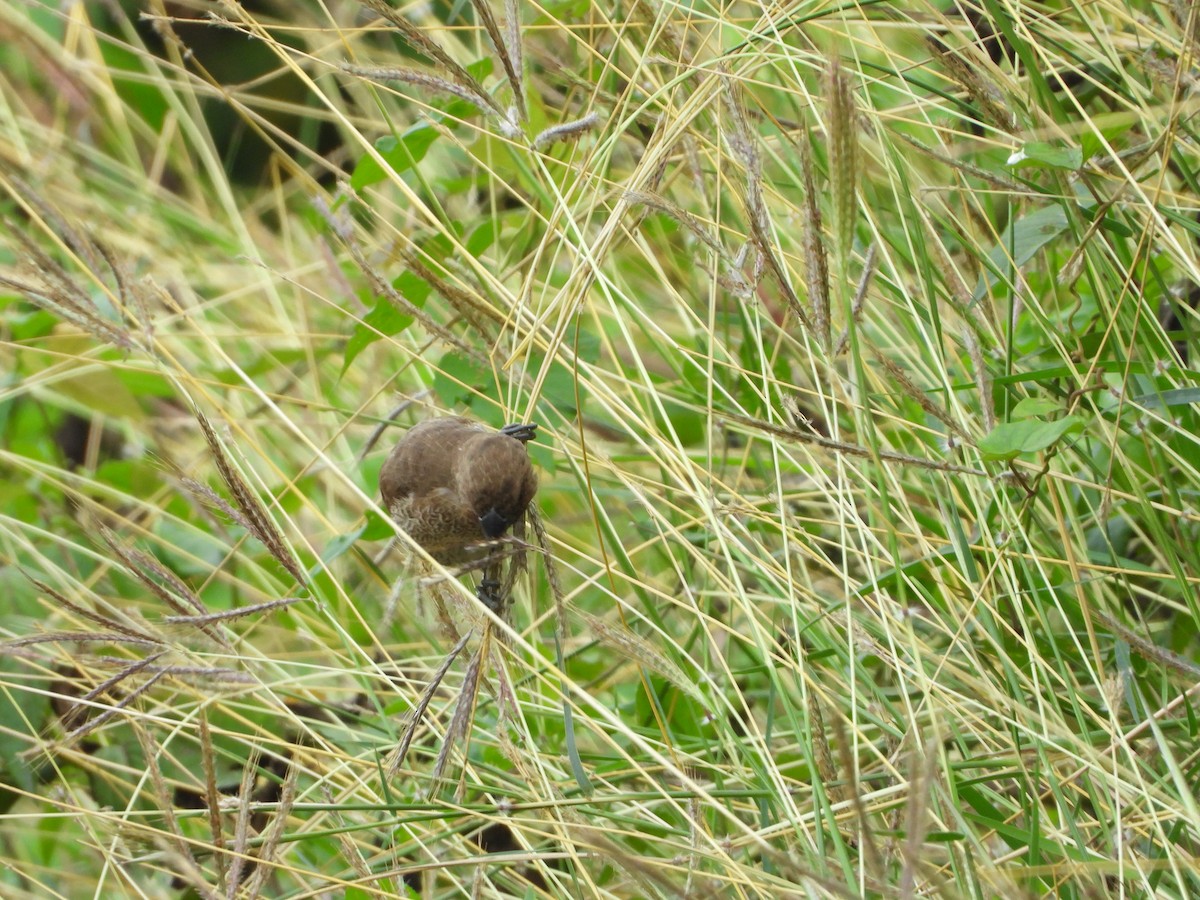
489	595
523	433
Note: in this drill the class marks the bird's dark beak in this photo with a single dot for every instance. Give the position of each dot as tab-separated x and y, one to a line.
493	523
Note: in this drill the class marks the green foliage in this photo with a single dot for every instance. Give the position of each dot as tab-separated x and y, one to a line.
862	345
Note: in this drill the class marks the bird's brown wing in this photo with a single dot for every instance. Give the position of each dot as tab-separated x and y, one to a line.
424	459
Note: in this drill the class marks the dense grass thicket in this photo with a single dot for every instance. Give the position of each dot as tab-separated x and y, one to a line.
862	343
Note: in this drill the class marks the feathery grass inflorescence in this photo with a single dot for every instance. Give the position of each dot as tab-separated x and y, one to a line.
744	148
253	512
842	126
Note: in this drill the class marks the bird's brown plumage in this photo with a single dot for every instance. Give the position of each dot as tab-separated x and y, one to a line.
453	485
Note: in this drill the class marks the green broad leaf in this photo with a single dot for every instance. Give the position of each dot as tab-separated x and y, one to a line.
383	321
1021	240
146	383
1031	407
482	237
102	391
558	387
25	325
1046	156
400	154
1111	128
562	11
377	528
482	68
459	381
686	420
1011	439
343	542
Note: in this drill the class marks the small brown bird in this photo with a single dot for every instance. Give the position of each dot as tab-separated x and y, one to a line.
453	485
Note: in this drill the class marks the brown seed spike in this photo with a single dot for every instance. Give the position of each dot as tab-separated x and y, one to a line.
452	485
